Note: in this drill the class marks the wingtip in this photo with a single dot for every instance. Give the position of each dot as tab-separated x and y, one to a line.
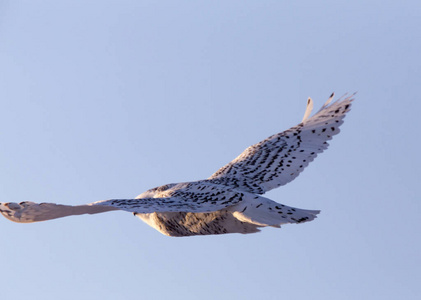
309	108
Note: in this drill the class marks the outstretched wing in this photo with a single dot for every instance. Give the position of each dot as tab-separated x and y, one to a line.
28	212
194	197
280	158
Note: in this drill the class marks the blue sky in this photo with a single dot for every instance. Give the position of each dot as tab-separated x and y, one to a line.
105	99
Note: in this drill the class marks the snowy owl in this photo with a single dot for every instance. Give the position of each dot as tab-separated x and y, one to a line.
229	201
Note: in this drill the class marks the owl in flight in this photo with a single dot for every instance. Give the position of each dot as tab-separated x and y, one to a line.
229	201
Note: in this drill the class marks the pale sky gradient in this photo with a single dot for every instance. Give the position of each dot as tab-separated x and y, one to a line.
106	99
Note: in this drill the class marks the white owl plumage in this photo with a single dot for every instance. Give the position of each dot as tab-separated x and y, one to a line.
230	200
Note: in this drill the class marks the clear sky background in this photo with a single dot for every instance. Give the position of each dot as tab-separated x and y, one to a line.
105	99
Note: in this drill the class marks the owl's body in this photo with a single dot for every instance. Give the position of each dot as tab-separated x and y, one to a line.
245	213
230	200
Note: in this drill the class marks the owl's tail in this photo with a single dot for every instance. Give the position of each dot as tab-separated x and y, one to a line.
262	211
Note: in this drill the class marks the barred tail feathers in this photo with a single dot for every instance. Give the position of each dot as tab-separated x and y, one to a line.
265	212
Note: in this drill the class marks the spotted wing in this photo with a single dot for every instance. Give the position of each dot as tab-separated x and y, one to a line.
194	197
280	158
